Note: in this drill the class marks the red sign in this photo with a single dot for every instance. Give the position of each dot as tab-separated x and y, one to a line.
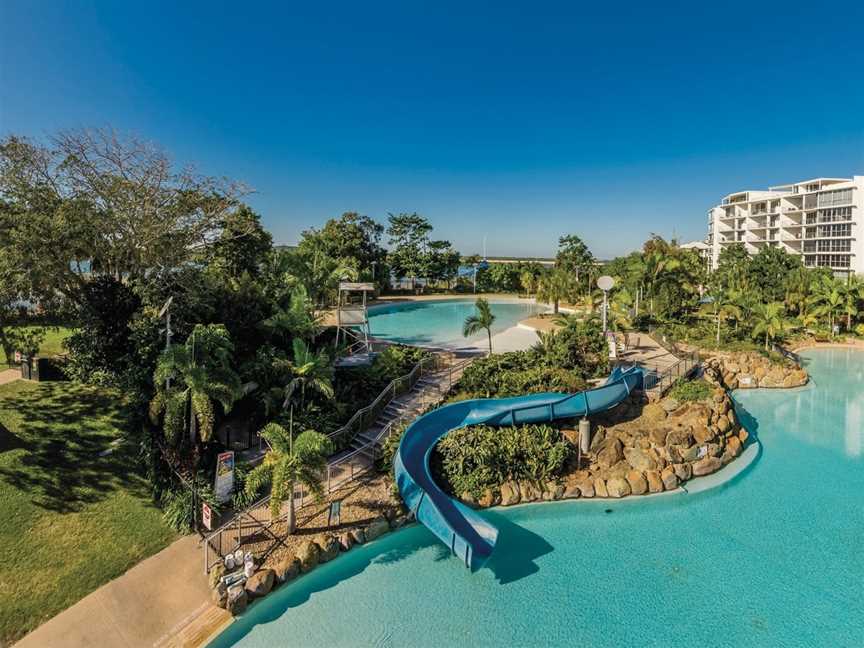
206	516
18	357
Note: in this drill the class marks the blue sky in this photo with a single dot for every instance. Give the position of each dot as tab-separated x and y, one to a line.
517	121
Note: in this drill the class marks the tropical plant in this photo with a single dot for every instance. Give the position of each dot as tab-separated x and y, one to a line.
724	307
288	462
310	369
198	373
828	300
554	287
528	281
768	320
482	320
299	319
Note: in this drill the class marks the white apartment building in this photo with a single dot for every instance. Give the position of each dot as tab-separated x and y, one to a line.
821	219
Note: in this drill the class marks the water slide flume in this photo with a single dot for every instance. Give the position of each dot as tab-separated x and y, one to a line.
470	537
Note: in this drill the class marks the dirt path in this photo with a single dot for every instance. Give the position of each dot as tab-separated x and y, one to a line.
9	375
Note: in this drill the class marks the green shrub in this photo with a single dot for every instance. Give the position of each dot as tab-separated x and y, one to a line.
475	458
690	390
179	508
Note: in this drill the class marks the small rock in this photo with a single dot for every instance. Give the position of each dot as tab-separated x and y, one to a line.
329	548
637	482
260	583
706	466
655	482
307	554
600	488
743	435
287	569
679	437
358	536
618	487
703	434
378	527
689	455
510	493
670	479
237	600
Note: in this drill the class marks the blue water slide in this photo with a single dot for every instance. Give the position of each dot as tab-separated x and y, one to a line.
470	537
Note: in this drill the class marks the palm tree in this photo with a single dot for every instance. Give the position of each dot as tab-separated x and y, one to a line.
527	279
309	369
768	321
196	373
554	287
288	462
299	319
852	292
480	321
828	300
722	308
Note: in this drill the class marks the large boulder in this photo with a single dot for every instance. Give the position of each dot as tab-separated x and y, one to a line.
706	466
703	434
260	583
378	527
655	482
653	412
307	554
510	493
743	435
489	498
571	491
670	479
610	453
219	595
216	574
733	446
640	459
529	491
358	535
637	482
346	541
237	600
286	569
679	437
617	487
683	471
600	488
723	424
329	547
586	488
553	491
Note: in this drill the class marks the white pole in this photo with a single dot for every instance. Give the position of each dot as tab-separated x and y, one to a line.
605	308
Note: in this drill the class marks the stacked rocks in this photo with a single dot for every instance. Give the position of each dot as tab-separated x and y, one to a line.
752	370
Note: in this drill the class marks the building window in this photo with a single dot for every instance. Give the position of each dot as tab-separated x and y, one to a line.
836	197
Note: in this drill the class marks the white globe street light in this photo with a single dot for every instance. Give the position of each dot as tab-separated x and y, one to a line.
605	283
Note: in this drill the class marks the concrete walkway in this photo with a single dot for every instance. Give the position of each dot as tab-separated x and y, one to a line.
147	606
9	375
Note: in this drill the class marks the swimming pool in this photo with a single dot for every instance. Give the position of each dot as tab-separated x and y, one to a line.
772	558
439	322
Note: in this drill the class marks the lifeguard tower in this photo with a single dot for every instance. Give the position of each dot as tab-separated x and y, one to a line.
352	324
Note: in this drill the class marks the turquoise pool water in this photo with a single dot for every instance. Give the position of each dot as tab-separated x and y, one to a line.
773	558
439	323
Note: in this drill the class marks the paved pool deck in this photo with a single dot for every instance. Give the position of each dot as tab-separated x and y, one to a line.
150	605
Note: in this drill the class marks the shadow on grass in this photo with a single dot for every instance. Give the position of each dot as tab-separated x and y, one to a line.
63	429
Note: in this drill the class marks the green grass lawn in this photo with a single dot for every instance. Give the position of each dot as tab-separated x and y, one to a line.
70	520
52	345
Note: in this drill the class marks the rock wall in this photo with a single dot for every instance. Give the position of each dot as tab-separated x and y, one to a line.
640	448
752	370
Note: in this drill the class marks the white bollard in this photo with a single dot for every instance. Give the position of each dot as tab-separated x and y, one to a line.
584	435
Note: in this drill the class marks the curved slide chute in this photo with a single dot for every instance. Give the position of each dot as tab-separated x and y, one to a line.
470	537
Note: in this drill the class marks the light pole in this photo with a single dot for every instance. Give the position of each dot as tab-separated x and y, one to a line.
605	283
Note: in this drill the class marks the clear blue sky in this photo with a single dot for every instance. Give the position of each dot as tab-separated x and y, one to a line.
520	121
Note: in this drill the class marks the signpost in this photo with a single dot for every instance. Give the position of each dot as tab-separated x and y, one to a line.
224	485
206	516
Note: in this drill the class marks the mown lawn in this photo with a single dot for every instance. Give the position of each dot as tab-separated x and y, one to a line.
52	345
70	520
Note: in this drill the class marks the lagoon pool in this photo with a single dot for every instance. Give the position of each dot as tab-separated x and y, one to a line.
439	322
774	557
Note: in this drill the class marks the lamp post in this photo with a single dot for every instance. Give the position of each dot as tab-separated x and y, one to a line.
605	283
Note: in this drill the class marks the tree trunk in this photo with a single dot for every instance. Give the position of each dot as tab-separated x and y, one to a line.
489	333
292	519
718	329
556	307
